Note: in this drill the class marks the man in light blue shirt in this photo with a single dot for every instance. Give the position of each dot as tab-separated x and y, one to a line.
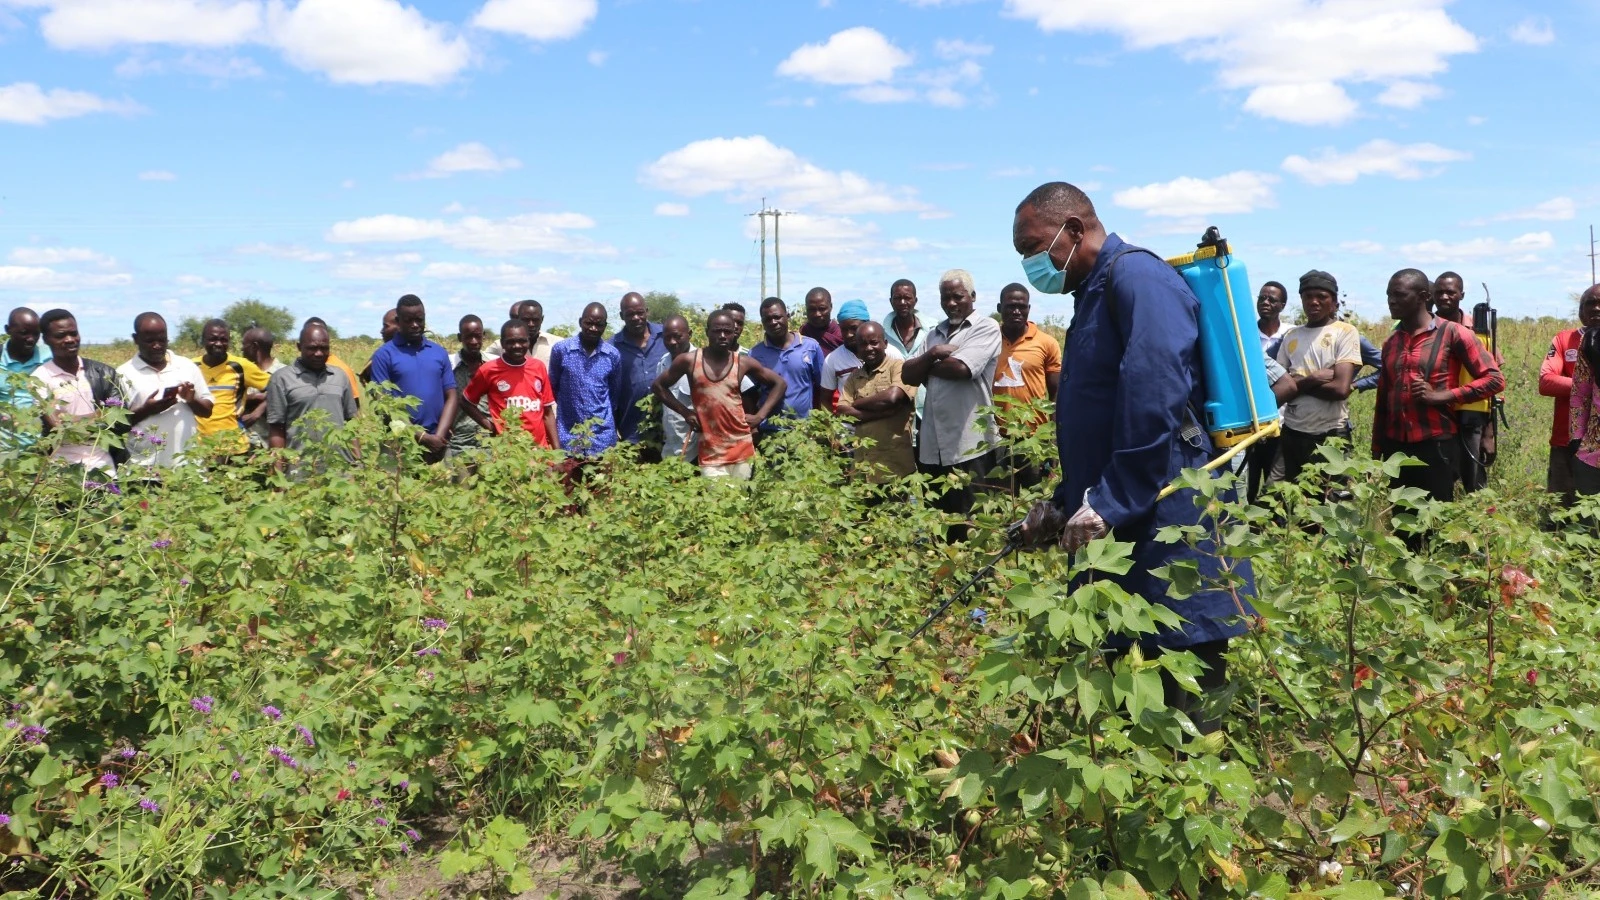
794	356
640	345
586	374
22	354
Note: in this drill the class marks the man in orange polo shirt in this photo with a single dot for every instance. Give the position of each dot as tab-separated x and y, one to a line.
1029	369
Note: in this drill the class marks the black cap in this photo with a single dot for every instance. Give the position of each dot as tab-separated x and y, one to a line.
1318	279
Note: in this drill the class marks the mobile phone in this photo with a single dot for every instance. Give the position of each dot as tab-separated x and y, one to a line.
169	393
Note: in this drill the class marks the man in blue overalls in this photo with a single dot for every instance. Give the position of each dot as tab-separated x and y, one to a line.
1125	421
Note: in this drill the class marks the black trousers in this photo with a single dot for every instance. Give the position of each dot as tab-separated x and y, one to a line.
1300	449
1438	476
1474	475
1212	680
958	501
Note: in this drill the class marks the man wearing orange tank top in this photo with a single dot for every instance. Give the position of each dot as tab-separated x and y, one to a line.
715	373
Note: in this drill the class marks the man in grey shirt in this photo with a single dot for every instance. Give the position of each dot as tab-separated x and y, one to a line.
957	368
307	385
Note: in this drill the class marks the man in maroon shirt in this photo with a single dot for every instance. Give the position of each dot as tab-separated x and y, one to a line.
1413	414
820	326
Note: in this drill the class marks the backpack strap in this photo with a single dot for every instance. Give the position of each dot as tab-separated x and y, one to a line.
238	397
1441	337
1191	429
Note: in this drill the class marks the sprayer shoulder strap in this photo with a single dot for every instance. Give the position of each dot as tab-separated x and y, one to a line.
1191	419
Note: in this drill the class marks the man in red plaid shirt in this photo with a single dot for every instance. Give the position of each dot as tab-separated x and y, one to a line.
1414	415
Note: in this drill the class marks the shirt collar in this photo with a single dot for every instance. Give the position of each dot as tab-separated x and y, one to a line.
1102	261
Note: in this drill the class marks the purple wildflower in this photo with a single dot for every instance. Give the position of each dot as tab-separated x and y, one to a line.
34	734
149	805
202	705
113	401
4	820
235	776
114	489
272	712
405	847
382	822
405	785
351	765
425	674
159	442
428	651
305	735
110	780
282	755
11	724
183	582
411	835
161	544
438	624
377	801
128	753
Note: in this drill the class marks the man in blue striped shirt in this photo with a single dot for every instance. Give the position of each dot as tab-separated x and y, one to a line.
586	374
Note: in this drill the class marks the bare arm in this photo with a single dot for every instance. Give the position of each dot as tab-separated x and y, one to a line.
662	388
550	425
1325	384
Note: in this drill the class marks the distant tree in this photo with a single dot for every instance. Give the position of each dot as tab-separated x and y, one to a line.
661	305
240	315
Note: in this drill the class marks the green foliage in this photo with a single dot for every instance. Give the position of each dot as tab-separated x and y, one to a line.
240	315
661	305
708	684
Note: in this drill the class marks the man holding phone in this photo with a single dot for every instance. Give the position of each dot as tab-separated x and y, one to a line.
165	394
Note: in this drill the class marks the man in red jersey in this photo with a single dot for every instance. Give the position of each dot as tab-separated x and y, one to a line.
517	382
1555	380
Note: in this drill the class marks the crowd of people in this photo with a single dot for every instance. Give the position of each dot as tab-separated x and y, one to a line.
1126	388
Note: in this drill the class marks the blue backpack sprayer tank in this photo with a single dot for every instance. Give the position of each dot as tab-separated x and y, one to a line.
1239	405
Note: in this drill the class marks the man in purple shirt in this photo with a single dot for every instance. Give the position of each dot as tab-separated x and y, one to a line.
586	374
641	347
419	368
820	326
794	356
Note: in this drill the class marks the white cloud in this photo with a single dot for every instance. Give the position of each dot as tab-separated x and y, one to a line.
100	24
157	175
882	93
1310	103
25	103
1409	94
1535	30
501	275
527	233
1294	57
829	241
747	168
42	278
1379	157
597	58
672	209
960	49
539	20
1364	247
1192	198
719	265
377	268
55	256
367	42
205	65
1518	249
855	56
469	157
285	251
1556	209
905	245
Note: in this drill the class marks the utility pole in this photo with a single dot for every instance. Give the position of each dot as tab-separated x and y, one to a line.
1592	278
777	247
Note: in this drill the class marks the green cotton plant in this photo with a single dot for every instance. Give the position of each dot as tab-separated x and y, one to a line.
708	684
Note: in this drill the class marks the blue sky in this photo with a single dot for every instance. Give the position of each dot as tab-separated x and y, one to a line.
331	155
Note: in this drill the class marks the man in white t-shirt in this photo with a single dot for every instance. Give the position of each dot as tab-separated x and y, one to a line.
1322	356
838	364
165	394
1270	303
